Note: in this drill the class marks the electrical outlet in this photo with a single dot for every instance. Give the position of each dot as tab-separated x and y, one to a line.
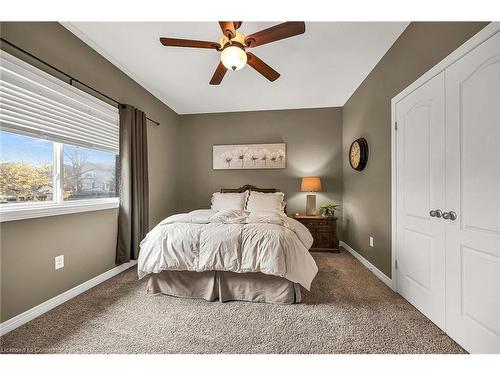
371	241
59	262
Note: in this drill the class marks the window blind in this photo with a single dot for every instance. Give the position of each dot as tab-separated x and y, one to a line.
35	103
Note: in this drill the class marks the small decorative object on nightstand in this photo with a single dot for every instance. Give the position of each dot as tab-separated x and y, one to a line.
323	229
328	209
310	184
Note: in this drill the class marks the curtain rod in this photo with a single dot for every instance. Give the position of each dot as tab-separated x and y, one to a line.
71	78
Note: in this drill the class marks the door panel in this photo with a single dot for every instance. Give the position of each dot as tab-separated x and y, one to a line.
473	192
480	269
480	148
418	252
420	179
417	130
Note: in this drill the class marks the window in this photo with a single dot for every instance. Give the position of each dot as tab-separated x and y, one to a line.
31	186
26	169
88	173
58	145
27	172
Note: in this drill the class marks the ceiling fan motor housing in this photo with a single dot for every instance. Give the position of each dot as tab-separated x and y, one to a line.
238	39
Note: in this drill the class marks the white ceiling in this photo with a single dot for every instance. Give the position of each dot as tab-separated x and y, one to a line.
321	68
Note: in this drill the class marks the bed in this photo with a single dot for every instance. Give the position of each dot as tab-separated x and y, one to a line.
243	249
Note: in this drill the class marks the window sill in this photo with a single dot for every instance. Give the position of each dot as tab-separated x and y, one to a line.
32	211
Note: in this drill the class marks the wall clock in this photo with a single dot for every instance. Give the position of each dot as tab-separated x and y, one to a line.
358	154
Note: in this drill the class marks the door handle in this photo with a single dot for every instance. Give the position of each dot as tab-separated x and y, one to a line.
436	213
450	215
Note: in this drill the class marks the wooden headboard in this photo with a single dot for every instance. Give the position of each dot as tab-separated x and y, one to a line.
249	187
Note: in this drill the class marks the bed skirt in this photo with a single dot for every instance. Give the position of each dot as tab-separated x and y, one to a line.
225	286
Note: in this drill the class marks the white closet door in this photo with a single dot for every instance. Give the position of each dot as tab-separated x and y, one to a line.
420	179
473	192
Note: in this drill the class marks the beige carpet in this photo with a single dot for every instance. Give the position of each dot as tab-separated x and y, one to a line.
348	311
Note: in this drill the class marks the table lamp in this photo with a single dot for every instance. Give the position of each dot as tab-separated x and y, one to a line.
310	184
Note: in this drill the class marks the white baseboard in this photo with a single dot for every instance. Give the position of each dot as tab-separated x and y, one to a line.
382	276
42	308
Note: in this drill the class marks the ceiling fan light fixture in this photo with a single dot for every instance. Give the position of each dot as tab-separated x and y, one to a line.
233	45
233	57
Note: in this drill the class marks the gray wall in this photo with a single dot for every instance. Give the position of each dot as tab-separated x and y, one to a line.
367	194
313	139
28	249
87	240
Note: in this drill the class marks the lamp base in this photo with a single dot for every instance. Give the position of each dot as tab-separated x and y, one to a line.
311	204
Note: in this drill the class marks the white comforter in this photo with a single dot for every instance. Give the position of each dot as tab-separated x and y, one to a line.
236	241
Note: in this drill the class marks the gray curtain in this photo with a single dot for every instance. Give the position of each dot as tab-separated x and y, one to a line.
133	183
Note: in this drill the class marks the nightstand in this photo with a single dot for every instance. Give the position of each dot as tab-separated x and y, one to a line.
324	231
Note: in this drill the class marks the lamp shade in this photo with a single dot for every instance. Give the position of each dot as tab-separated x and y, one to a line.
310	184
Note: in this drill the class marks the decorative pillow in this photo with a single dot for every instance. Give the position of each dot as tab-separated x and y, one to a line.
258	201
229	201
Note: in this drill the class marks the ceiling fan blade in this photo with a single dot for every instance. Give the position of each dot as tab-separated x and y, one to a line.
219	74
274	33
228	28
262	67
173	42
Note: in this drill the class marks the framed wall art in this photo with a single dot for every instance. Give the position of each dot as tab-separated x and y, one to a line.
252	156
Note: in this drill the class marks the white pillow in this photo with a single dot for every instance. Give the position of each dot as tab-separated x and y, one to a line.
258	201
229	201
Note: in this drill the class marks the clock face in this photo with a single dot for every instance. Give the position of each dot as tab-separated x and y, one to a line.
355	154
358	154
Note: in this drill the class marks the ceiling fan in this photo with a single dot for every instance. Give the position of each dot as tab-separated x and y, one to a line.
233	46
